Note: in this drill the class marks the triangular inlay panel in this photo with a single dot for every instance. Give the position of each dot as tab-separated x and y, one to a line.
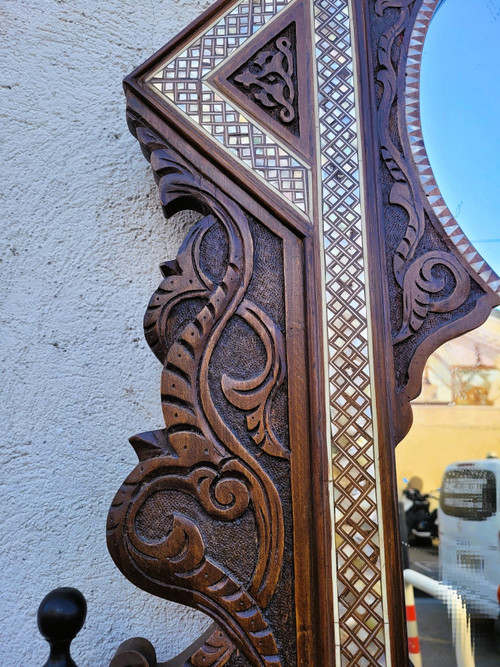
179	78
267	80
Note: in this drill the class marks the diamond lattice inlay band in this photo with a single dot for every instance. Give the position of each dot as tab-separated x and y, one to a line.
359	596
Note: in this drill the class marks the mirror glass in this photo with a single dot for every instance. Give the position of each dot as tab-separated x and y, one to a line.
460	114
448	466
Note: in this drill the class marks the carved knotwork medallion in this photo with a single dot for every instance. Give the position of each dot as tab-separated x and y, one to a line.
269	76
267	80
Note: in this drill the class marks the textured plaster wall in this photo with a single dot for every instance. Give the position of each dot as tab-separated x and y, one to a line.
82	235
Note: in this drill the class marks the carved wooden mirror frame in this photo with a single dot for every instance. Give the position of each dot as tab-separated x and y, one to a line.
292	327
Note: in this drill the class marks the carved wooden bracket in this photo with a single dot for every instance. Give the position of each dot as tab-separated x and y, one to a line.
292	327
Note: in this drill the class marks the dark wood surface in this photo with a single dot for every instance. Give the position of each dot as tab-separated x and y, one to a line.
60	618
234	462
237	324
407	324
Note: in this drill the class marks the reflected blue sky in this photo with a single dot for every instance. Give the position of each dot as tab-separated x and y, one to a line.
460	109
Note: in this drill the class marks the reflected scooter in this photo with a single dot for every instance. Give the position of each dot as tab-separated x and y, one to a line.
421	525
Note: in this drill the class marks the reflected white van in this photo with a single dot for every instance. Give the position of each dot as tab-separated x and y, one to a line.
469	534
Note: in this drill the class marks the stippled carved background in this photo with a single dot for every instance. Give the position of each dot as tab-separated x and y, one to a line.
218	474
431	288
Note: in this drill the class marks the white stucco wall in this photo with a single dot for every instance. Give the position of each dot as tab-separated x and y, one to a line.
82	235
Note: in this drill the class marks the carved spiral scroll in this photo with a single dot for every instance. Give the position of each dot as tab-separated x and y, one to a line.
256	395
413	273
420	284
197	453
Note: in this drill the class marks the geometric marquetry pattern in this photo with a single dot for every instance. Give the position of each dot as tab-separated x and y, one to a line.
360	633
181	81
431	189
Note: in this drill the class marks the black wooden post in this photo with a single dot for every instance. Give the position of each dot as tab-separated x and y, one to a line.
61	616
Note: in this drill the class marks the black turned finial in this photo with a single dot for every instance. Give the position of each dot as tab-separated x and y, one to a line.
61	616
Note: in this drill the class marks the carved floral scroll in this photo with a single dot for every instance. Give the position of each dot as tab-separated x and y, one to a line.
197	454
437	291
321	271
218	473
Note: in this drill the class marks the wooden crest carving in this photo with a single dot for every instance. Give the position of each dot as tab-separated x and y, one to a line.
222	323
268	76
292	327
438	285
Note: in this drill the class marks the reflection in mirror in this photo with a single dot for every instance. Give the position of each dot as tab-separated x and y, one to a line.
460	115
448	467
448	471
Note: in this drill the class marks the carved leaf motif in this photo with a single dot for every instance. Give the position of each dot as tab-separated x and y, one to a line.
419	286
402	195
183	279
150	444
415	278
215	652
179	559
256	395
404	192
197	453
382	5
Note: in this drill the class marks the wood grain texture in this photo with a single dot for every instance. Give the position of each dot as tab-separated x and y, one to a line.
237	324
434	295
223	322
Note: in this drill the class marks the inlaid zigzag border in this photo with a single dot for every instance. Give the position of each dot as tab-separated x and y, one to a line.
420	157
